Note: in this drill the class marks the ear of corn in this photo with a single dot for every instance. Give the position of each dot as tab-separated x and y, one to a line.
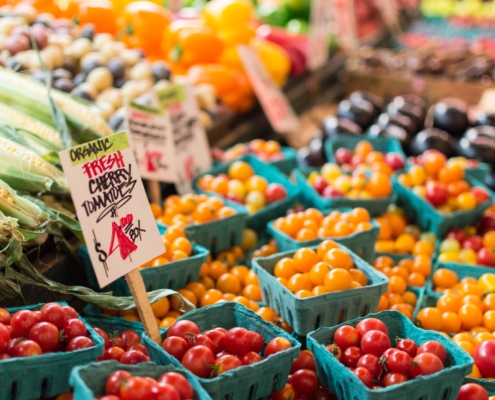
27	213
25	170
17	119
9	229
31	141
30	97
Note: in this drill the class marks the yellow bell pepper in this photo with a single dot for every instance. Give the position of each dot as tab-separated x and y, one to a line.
221	14
274	58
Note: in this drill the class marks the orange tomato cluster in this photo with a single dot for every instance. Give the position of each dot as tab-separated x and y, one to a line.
312	223
191	209
312	273
396	236
266	250
177	247
413	272
265	150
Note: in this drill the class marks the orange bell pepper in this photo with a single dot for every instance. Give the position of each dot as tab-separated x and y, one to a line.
100	13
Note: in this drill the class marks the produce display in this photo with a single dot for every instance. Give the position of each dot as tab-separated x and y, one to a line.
466	246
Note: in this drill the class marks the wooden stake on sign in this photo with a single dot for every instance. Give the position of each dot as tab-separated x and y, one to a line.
138	291
391	15
155	192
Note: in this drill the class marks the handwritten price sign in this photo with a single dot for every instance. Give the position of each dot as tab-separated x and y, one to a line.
112	207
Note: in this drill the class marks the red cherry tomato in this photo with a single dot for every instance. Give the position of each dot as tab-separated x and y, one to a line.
364	376
22	322
130	337
409	346
27	348
484	358
117	341
238	341
11	344
45	334
179	382
136	387
304	381
180	328
114	381
4	356
323	394
393	378
275	192
371	324
104	336
4	316
276	345
375	342
351	356
216	337
4	337
73	328
200	340
139	347
164	391
53	313
304	361
112	353
175	346
372	364
133	357
79	342
257	342
399	362
472	391
199	360
425	364
69	312
436	193
346	336
435	348
250	358
226	363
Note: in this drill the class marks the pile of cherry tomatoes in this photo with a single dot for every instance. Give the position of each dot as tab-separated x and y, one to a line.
124	347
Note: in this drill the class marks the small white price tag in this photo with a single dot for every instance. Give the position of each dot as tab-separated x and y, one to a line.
112	207
277	108
318	34
192	150
345	17
150	133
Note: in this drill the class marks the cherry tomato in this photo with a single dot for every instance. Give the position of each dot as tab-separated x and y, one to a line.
129	337
393	378
180	328
4	316
371	324
346	336
226	363
4	337
372	364
22	322
287	393
117	341
323	394
112	353
425	364
139	347
53	313
250	358
238	341
407	345
104	336
27	348
45	334
472	391
114	381
133	357
375	342
175	346
257	342
364	376
164	391
179	382
69	312
276	345
399	362
73	328
136	387
484	358
11	344
304	361
436	193
4	356
79	342
335	350
351	356
435	348
304	381
216	337
200	340
198	360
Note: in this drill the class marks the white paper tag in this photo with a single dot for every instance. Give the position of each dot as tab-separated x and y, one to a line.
277	108
112	207
150	133
192	150
318	34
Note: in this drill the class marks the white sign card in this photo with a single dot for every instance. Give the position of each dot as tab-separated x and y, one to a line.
192	150
111	205
277	108
318	40
150	133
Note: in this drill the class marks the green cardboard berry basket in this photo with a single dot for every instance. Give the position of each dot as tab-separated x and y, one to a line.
218	235
338	379
259	219
46	375
89	380
361	243
380	144
480	172
311	198
429	219
249	382
308	314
